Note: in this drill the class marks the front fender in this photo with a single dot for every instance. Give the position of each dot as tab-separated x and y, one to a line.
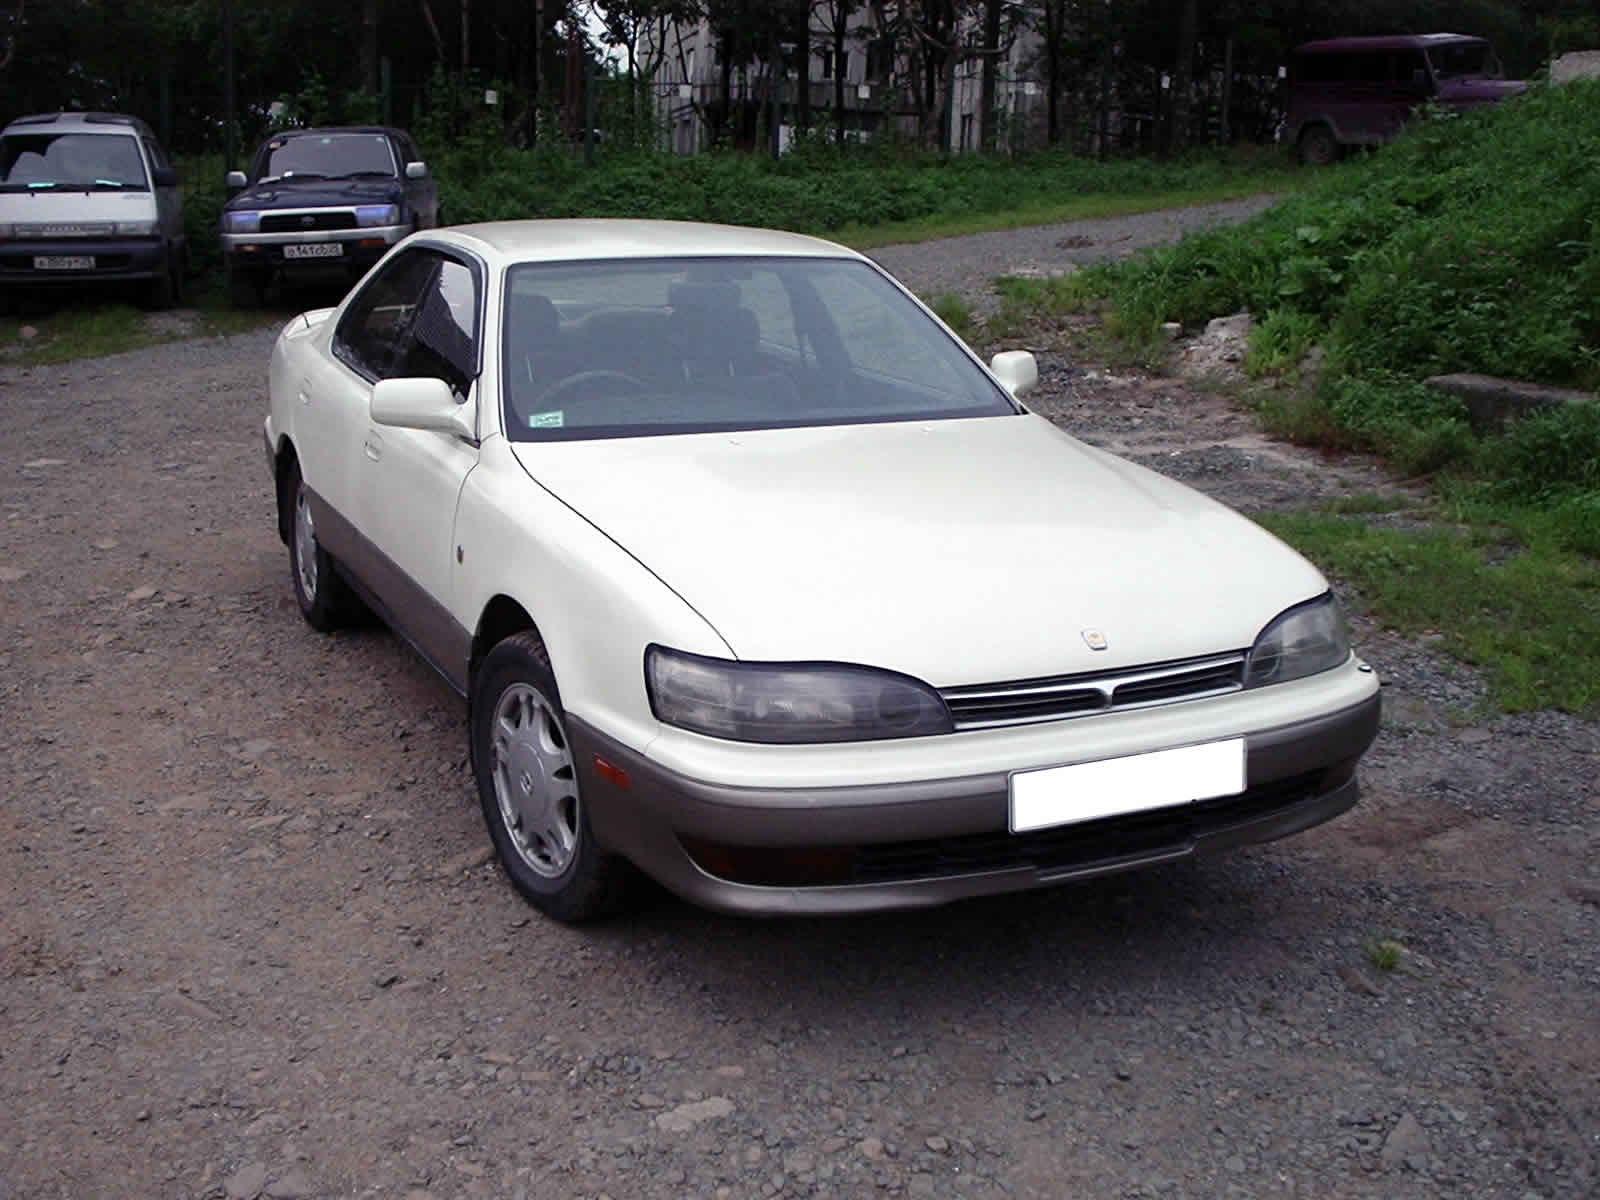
595	605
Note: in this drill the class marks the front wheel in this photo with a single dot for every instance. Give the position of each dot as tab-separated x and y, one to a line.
322	595
528	786
1318	147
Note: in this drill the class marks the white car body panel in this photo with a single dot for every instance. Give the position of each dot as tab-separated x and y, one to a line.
957	552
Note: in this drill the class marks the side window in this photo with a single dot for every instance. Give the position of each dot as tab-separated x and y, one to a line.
374	336
445	332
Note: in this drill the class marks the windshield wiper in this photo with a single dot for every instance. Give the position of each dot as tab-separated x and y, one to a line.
292	175
364	175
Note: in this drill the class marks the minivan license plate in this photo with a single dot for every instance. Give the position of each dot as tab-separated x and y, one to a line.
315	250
1115	786
63	262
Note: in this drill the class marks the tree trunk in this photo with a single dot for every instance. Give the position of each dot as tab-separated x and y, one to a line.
1183	77
838	76
991	68
466	34
803	49
369	46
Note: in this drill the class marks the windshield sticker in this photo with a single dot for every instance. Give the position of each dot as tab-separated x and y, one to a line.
547	420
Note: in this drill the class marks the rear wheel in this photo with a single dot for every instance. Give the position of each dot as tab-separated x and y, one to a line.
528	786
1318	148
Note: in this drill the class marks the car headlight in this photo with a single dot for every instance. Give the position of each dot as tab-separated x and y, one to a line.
136	228
789	703
241	221
369	216
1301	641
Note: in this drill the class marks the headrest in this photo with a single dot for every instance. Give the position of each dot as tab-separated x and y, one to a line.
534	319
703	297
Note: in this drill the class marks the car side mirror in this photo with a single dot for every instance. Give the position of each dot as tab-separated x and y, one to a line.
416	170
164	177
423	403
1017	370
235	181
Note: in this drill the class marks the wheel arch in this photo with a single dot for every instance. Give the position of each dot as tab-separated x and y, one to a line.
285	461
502	616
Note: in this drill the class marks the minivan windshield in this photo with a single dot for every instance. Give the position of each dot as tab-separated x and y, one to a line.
1463	60
71	161
636	347
326	156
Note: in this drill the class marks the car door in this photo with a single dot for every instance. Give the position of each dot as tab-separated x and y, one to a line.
412	478
334	400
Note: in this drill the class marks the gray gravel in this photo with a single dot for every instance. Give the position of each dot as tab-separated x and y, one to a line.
250	944
967	265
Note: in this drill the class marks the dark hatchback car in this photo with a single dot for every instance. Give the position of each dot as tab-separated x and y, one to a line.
325	199
1358	91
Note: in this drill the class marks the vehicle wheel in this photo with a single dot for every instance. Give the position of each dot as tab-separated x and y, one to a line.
246	287
528	786
324	597
163	293
1317	146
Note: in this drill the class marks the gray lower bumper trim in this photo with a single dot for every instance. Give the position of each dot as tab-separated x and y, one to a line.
1300	775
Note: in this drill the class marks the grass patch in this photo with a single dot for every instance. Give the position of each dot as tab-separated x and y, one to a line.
956	313
1509	592
75	331
1384	953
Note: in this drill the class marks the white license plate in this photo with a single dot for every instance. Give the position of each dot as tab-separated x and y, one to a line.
63	262
315	250
1115	786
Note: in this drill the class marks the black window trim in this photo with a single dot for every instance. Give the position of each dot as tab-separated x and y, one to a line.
466	258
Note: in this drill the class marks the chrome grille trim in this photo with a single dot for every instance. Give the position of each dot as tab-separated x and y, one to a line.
1032	701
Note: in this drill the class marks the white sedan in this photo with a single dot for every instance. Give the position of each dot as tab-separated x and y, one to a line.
755	579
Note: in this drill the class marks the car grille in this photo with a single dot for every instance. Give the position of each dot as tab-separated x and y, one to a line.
1089	847
1091	844
309	222
987	706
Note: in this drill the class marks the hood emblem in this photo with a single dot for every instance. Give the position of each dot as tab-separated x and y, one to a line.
308	221
1094	639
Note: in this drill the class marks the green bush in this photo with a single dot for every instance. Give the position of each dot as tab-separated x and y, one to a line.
1470	244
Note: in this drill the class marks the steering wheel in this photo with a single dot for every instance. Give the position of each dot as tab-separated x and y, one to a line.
602	382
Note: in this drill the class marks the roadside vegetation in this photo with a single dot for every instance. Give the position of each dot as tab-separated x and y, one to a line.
1471	244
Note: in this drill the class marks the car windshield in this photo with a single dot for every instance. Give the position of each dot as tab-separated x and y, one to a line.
76	161
327	156
1464	60
632	348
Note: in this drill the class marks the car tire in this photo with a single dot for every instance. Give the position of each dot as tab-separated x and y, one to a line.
324	597
246	287
163	292
529	788
1317	147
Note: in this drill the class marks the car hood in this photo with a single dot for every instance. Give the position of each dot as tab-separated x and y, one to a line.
317	193
959	552
1462	92
59	206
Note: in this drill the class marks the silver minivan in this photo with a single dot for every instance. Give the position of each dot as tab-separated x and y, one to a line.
89	198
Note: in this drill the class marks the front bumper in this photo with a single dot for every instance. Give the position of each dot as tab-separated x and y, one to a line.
114	259
358	248
907	845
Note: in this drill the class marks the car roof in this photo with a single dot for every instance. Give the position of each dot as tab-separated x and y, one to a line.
82	122
319	130
575	240
1409	41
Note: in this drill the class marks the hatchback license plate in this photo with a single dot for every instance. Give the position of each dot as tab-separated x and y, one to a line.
63	262
1113	787
315	250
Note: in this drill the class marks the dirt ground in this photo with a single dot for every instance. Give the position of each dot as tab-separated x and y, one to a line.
251	942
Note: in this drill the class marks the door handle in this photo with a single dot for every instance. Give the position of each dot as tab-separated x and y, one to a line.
373	446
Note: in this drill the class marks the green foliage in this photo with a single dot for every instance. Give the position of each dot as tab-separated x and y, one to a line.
1470	244
1513	594
956	313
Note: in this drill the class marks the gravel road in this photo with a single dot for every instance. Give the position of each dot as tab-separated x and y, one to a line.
251	943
